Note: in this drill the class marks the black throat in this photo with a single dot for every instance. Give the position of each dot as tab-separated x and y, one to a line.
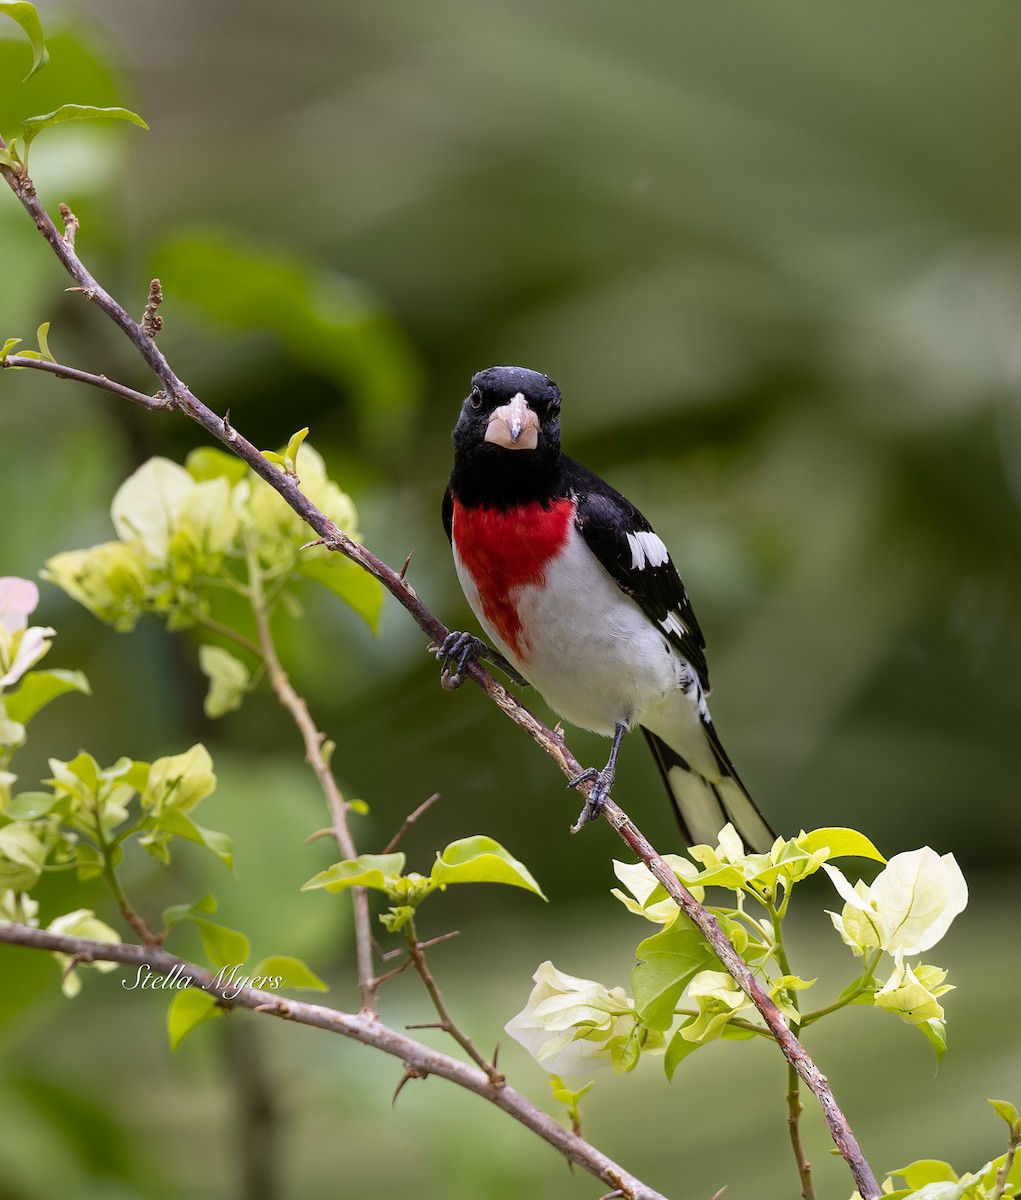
486	475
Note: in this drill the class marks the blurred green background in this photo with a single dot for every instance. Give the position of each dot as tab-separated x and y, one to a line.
772	255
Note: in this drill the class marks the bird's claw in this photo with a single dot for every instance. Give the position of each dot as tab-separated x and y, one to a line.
594	801
454	654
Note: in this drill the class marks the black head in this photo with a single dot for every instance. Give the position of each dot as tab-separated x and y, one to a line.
507	438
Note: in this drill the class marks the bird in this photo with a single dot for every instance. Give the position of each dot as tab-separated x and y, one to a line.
580	598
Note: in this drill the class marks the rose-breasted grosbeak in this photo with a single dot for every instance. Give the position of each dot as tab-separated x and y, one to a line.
579	595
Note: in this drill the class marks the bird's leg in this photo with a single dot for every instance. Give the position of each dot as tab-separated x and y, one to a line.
458	649
603	782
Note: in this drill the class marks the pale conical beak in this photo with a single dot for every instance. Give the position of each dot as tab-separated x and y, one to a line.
514	426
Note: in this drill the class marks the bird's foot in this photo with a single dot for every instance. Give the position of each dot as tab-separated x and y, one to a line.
454	654
594	801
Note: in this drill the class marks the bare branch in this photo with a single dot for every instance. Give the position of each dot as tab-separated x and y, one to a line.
156	403
315	758
417	1058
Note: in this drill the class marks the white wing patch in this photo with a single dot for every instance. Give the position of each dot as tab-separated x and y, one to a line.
672	623
647	550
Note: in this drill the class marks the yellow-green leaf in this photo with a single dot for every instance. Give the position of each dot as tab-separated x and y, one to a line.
228	680
293	446
224	947
32	127
38	688
843	843
377	871
44	348
24	14
480	859
188	1009
291	972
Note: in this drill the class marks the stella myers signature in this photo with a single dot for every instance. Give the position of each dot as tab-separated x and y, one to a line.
229	977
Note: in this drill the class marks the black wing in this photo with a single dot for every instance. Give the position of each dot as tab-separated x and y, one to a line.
639	566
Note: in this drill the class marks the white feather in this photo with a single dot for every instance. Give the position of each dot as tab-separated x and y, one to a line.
647	550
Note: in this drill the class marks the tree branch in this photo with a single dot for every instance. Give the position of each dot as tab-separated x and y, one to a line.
155	403
313	739
418	1059
183	399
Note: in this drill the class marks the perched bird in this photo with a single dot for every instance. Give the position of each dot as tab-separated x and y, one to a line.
580	597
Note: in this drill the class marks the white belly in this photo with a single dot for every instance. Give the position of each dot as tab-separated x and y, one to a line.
591	652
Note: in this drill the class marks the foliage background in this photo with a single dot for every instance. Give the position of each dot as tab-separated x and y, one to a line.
772	255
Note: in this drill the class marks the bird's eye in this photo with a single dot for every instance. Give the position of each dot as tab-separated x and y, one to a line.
475	398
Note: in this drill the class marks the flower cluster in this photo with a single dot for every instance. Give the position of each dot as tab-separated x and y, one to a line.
681	999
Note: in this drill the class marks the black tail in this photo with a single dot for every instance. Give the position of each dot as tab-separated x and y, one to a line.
704	806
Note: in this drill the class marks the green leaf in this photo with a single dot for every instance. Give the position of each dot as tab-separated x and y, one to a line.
346	579
33	126
9	345
935	1032
667	962
480	859
843	843
565	1095
291	972
224	947
293	446
179	781
1007	1111
678	1049
176	822
29	806
188	1009
395	920
184	912
21	857
89	862
38	688
924	1171
379	871
228	680
25	15
44	346
209	463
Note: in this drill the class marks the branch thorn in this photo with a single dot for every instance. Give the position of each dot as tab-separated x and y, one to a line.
404	569
409	1073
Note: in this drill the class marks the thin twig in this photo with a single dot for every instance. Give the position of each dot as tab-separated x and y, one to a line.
422	809
360	1027
155	403
1003	1173
313	739
794	1110
446	1021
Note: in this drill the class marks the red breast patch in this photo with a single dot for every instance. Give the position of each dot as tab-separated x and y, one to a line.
504	550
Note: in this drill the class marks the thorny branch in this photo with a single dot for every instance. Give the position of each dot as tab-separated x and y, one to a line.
179	396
